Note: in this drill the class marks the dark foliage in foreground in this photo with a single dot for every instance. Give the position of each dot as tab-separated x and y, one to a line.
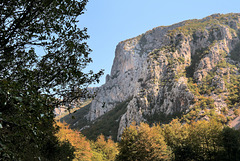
30	84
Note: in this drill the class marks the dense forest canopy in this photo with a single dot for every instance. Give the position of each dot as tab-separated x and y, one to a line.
177	141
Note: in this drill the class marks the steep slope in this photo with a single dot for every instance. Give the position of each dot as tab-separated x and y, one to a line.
189	69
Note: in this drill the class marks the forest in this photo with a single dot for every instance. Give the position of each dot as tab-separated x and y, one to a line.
199	141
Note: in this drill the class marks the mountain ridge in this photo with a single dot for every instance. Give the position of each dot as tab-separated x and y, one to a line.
189	69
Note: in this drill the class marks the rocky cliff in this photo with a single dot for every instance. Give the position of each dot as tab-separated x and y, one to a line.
189	69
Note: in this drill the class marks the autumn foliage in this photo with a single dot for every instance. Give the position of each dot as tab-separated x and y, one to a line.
143	143
177	141
85	150
78	141
195	141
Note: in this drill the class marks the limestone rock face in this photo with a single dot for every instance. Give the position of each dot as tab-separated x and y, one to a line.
129	68
153	70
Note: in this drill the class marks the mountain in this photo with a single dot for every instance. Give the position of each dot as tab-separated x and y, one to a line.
188	70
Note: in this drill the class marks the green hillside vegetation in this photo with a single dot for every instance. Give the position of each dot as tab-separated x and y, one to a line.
107	124
77	117
73	110
160	117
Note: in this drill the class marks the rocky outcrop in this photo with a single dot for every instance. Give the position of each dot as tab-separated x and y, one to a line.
129	68
154	69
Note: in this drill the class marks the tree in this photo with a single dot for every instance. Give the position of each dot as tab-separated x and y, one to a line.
231	143
106	149
198	140
100	150
176	134
31	86
82	147
143	143
204	139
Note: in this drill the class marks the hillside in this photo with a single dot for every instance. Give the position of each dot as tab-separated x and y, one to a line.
188	70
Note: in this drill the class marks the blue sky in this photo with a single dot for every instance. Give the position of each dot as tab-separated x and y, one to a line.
112	21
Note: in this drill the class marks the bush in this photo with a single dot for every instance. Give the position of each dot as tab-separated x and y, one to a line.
236	112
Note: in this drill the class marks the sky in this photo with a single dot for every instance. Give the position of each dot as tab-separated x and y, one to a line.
112	21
